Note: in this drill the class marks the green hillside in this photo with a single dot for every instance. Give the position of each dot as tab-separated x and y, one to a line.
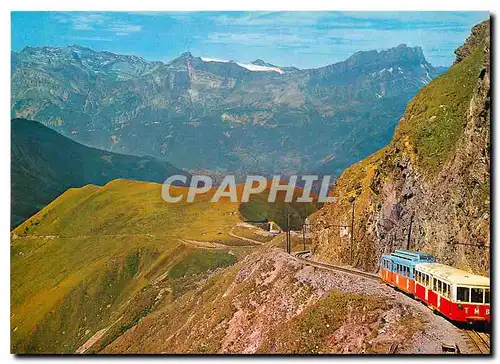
95	254
44	164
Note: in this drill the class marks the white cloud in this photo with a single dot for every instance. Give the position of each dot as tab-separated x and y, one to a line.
97	22
122	29
257	38
271	18
85	21
95	39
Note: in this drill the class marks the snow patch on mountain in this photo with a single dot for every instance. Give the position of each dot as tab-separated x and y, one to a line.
248	66
206	59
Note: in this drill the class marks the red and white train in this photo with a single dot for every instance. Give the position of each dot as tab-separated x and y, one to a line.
456	294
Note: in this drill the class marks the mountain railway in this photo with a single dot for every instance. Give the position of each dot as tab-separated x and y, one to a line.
479	340
352	271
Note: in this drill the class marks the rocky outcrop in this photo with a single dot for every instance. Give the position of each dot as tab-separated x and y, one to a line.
479	33
429	189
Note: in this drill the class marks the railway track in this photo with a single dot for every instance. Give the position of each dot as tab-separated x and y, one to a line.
480	340
300	256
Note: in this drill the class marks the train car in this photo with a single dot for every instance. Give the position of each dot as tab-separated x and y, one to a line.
398	268
457	294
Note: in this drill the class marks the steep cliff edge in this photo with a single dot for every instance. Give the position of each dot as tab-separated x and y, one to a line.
429	189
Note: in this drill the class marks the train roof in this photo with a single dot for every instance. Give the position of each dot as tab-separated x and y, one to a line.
453	275
409	256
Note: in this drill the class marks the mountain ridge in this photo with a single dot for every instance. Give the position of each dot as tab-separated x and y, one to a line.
217	115
44	164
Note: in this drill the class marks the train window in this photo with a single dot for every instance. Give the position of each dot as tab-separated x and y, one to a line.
434	285
463	294
439	288
447	290
486	296
476	295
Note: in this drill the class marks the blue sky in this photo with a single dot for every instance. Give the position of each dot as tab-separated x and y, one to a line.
302	39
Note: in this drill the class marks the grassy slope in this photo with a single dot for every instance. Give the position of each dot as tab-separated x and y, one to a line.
438	112
312	331
93	256
259	303
44	164
80	259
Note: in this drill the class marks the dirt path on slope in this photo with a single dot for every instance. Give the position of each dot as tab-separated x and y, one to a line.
249	240
95	338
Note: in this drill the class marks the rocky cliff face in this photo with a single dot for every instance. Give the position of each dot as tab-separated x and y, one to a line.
429	189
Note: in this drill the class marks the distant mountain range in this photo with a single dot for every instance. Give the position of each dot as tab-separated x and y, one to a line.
44	164
206	114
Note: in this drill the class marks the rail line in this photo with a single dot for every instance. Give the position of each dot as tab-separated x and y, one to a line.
480	340
352	271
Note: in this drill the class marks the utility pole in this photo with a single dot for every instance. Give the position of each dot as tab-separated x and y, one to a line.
304	233
409	233
352	232
288	242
